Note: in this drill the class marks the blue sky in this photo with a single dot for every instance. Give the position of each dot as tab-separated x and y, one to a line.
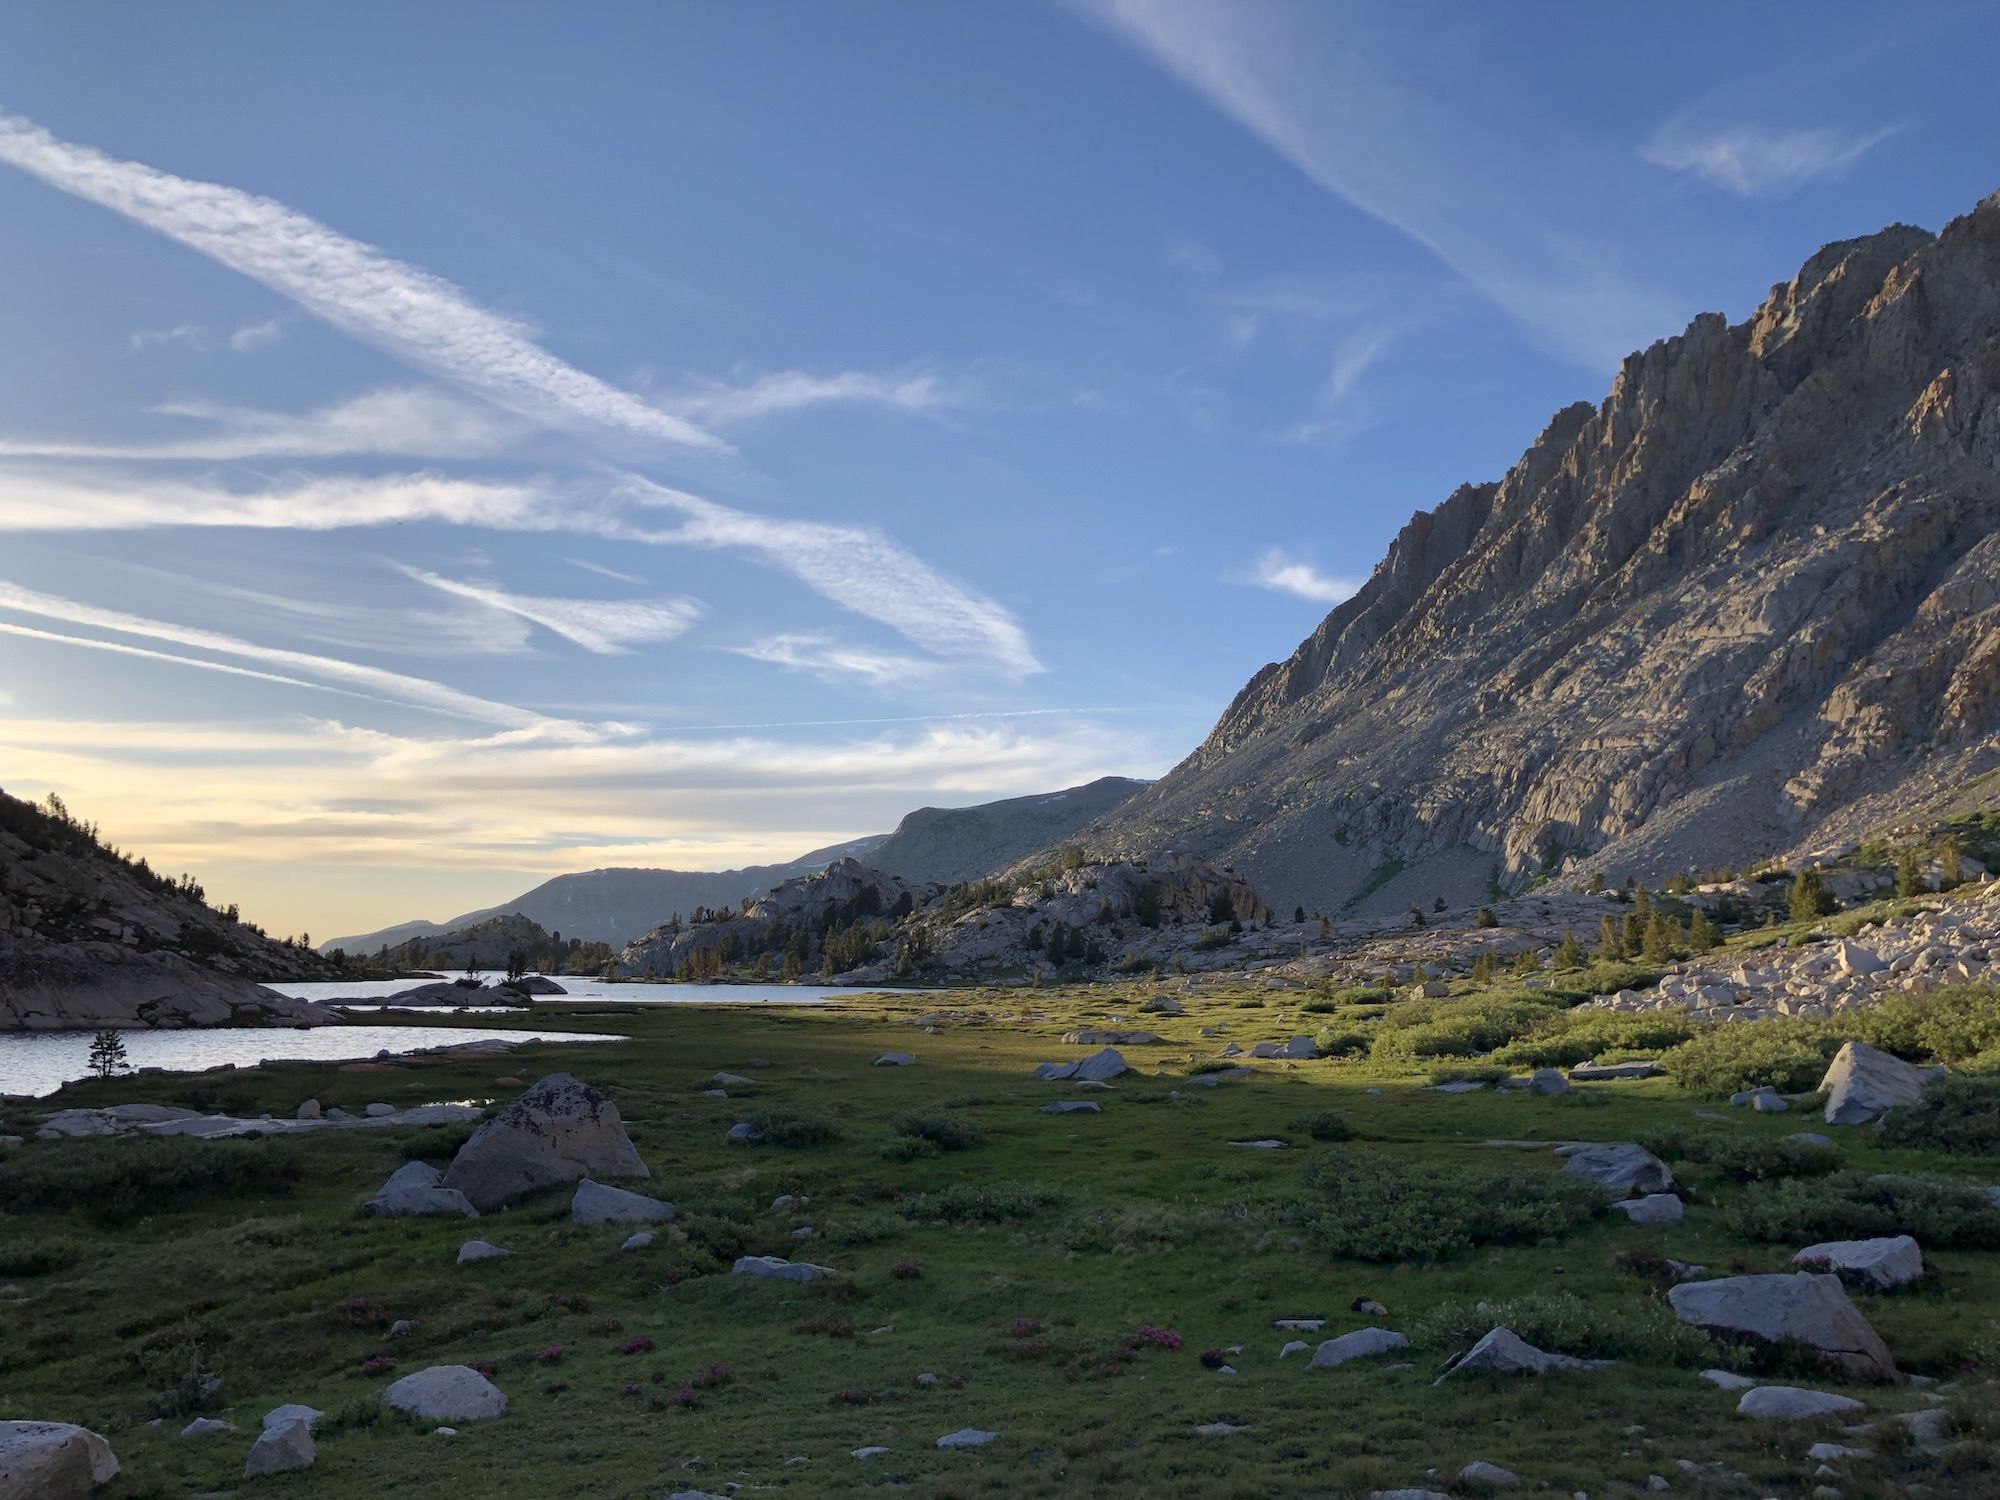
444	446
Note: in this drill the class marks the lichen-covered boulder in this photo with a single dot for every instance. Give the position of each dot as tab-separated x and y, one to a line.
447	1393
1863	1082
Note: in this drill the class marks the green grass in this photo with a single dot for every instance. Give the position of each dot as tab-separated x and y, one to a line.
1018	1268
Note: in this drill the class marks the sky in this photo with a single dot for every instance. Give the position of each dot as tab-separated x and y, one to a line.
446	446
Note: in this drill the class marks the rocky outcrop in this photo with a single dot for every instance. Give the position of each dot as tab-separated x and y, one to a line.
91	938
1748	602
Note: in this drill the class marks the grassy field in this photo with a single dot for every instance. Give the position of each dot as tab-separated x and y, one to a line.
1018	1268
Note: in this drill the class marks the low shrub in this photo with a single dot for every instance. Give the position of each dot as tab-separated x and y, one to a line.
1580	1036
1323	1125
1342	1041
946	1131
1457	1028
1956	1115
1469	1075
978	1203
791	1125
1631	1328
1745	1158
1128	1231
1368	1205
1859	1205
114	1182
39	1257
1724	1058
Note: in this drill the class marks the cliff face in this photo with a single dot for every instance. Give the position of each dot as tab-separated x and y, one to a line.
89	938
1745	604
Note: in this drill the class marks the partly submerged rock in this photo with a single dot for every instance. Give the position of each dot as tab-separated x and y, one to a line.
420	1203
777	1268
967	1437
1099	1067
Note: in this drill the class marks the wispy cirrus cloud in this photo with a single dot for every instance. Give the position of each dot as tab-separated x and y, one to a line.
300	668
409	312
1320	86
1758	161
1283	574
603	572
606	627
39	499
722	405
180	333
857	568
414	420
827	658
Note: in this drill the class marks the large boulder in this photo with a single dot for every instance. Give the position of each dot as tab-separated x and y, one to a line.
52	1461
447	1393
281	1450
558	1131
1879	1265
1863	1082
1805	1308
1629	1171
595	1203
1360	1344
1099	1067
1504	1352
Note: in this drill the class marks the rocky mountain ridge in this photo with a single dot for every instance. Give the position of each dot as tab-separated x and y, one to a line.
1750	602
933	845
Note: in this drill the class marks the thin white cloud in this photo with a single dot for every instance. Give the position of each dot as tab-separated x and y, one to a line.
180	333
722	405
37	499
858	568
604	572
1757	161
400	420
407	311
831	659
1318	85
256	335
374	681
607	627
1287	575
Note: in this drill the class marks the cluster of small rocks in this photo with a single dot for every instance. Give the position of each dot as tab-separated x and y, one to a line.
1949	942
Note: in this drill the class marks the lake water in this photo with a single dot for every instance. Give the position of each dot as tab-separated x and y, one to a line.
580	988
40	1062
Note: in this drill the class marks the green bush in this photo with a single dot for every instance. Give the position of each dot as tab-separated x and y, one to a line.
1858	1205
1632	1328
1745	1158
1367	1205
39	1256
978	1203
946	1131
790	1125
1957	1024
114	1182
1957	1115
1457	1028
1323	1126
1342	1041
1727	1057
1600	978
1578	1036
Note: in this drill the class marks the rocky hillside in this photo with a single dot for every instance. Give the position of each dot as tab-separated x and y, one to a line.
946	845
90	937
1749	602
824	923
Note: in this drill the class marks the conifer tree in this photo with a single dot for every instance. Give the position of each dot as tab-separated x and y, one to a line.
1569	955
1702	936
